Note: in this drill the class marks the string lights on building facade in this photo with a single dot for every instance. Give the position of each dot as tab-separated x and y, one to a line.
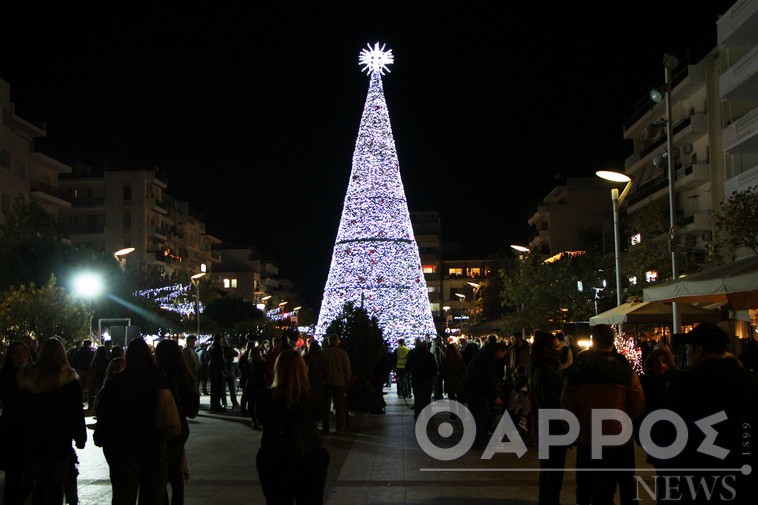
375	260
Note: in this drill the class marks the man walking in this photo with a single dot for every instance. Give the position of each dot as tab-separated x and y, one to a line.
601	378
216	372
336	384
403	379
192	359
423	369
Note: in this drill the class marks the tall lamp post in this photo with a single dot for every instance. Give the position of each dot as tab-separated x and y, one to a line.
196	281
476	287
617	200
88	285
522	251
670	62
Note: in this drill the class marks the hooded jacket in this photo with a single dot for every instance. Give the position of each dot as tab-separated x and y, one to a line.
601	380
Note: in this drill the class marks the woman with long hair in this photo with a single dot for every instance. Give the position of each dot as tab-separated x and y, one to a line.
53	419
133	446
15	461
256	382
169	357
290	438
452	369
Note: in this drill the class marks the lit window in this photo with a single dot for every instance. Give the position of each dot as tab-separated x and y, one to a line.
651	276
455	272
234	283
227	283
203	267
473	272
430	269
636	238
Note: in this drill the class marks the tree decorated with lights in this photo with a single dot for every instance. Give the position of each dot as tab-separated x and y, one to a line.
375	261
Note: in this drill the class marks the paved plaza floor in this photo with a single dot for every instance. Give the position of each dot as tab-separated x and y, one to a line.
378	463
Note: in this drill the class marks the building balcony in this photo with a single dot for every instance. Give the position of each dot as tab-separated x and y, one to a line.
741	136
740	81
85	229
152	231
693	221
692	176
738	27
160	207
648	191
87	202
542	237
49	194
685	80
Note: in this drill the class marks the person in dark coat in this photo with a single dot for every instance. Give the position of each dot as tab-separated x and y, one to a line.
546	385
318	373
256	381
601	378
452	370
216	372
716	385
15	457
181	382
423	368
291	438
126	430
53	419
481	388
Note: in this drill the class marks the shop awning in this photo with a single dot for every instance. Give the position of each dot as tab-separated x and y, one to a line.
654	312
735	284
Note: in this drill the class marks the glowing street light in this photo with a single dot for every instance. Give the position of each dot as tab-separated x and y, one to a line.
616	199
476	287
196	281
120	255
519	248
88	285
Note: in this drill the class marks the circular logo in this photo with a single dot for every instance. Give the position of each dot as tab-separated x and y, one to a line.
445	430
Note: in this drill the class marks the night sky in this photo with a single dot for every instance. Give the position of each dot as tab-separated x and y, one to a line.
253	110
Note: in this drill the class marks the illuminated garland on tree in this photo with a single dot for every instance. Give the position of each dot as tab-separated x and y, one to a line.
375	261
173	298
633	354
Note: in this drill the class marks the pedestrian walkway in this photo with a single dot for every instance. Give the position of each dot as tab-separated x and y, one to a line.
378	462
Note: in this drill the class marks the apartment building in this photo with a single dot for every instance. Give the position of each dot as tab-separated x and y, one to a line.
453	284
24	171
567	211
131	208
695	120
737	36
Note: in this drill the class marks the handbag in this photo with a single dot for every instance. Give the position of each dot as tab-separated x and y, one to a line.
167	414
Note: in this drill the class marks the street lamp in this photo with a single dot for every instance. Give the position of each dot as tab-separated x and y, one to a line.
522	251
670	62
476	290
616	199
196	281
120	256
89	285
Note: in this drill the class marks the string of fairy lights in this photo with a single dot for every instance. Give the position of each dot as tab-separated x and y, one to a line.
172	298
375	260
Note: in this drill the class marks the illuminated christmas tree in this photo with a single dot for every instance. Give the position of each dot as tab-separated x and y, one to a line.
375	261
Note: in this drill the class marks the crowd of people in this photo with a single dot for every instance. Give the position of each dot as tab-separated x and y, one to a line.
500	375
294	391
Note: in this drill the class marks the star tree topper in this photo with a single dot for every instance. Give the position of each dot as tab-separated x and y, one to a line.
375	59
